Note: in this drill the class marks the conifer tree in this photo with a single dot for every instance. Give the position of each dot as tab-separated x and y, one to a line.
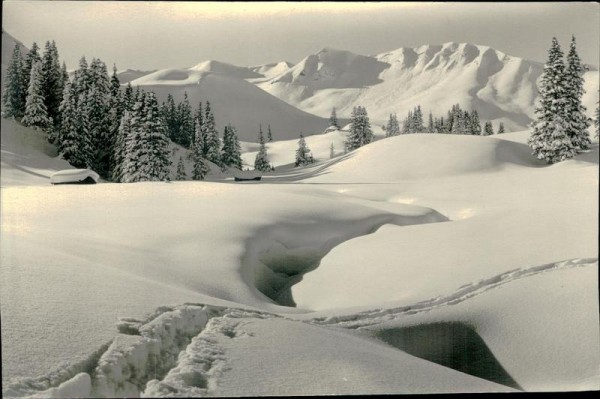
360	129
120	148
128	98
199	131
213	144
303	155
488	130
574	111
331	151
333	119
501	128
392	128
231	151
29	59
186	122
99	103
475	124
417	125
36	115
269	134
430	125
261	162
51	80
550	139
147	150
14	88
200	168
74	141
181	174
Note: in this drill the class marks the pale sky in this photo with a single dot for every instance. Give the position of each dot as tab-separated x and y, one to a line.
151	35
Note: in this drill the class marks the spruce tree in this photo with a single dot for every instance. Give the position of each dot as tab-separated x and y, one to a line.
231	151
331	151
128	97
392	128
74	140
51	80
574	111
30	58
501	128
430	125
475	124
186	122
488	130
417	125
333	119
181	174
199	130
269	134
120	146
360	129
147	152
14	88
261	162
303	155
213	144
36	114
200	168
550	139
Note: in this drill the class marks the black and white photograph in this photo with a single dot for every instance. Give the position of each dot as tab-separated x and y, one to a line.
238	199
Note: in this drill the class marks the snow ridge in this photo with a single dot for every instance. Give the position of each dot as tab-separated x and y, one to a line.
377	316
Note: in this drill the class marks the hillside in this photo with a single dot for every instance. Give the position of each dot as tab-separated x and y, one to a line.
233	100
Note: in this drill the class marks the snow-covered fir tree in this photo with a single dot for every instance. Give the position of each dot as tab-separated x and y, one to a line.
199	131
269	134
36	115
186	122
116	109
501	128
417	124
574	111
200	168
51	80
303	154
14	88
550	140
475	124
29	59
231	152
181	174
430	125
333	121
128	98
74	141
213	144
147	150
360	129
261	162
488	129
331	151
392	128
120	148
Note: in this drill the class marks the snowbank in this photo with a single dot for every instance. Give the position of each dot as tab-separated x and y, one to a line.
74	176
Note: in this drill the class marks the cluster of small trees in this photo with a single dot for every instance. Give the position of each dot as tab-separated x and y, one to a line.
360	129
457	121
560	129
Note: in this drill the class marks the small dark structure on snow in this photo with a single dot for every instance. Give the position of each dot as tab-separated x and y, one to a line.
247	175
75	176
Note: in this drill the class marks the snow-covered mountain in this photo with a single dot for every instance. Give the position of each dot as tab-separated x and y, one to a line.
8	45
501	87
127	75
233	99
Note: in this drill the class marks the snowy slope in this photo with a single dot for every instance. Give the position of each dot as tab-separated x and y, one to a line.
128	75
501	87
232	99
27	157
405	224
